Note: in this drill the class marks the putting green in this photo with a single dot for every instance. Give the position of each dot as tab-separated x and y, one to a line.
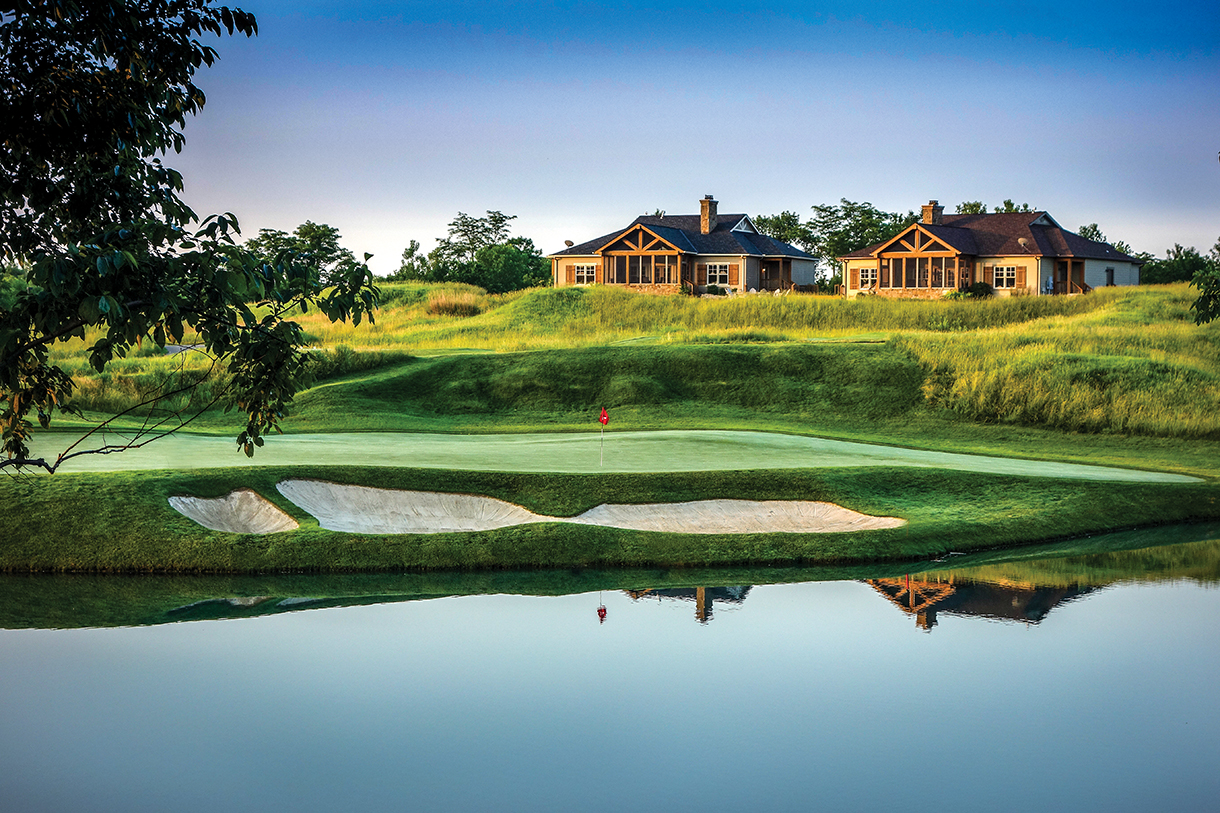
672	450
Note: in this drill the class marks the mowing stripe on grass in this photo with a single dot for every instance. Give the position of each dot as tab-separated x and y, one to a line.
662	451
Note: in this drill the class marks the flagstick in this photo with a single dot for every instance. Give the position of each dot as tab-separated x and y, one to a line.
602	461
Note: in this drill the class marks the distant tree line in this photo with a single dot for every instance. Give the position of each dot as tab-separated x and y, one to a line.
477	251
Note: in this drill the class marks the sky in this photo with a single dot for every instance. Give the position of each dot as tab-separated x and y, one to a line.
385	120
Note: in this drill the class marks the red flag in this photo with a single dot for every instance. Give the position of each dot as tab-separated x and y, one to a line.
604	418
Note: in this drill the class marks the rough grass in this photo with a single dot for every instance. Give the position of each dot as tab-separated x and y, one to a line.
1139	365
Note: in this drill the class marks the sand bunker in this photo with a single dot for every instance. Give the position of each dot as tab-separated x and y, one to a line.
363	510
239	512
358	509
736	517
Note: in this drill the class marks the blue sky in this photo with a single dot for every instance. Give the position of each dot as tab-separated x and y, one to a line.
386	119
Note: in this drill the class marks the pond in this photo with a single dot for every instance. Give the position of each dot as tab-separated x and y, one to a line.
1015	681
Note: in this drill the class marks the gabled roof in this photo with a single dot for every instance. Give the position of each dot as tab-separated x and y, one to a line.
1007	234
734	234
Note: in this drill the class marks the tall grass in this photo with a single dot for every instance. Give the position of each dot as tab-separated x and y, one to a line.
1138	365
1122	360
583	317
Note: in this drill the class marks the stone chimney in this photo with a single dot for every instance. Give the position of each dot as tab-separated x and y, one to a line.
933	212
707	215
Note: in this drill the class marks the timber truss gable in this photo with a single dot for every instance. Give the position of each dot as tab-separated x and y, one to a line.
917	241
639	240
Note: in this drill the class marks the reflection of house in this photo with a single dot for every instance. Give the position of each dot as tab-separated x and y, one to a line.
664	252
703	597
924	596
1014	252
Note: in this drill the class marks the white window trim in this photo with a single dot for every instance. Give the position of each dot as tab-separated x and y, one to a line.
587	271
719	271
1009	273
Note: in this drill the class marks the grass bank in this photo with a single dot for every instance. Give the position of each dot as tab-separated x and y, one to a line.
61	601
121	523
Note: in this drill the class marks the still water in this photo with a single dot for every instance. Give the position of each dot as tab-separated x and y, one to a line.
1083	683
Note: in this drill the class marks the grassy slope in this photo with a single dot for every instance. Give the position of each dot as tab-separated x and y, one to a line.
1133	367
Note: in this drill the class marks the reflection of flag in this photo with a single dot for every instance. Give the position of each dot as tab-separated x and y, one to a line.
604	417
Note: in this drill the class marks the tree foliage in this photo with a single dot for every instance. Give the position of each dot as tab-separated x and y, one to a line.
478	251
1092	232
314	244
977	207
1207	281
849	226
92	94
786	226
1180	265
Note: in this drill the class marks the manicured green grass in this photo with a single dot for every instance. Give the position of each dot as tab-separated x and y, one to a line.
122	522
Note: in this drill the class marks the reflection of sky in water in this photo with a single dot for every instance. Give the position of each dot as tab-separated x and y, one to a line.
818	695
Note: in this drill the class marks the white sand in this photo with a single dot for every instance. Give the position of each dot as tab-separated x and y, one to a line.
239	512
358	509
363	510
736	517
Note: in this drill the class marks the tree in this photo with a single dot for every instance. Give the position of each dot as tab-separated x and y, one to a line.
1092	232
977	207
415	266
316	245
1207	281
786	226
509	266
469	234
1009	207
91	94
1180	265
838	230
478	251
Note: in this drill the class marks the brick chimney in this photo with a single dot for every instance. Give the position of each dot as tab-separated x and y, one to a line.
707	215
933	212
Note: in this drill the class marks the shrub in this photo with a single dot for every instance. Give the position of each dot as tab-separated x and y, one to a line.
980	290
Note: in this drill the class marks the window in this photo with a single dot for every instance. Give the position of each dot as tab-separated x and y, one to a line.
1006	276
585	274
718	274
868	277
662	265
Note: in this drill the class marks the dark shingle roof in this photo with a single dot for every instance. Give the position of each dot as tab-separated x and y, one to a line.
1000	234
683	231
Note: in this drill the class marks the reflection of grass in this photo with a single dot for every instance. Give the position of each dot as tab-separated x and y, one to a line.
1148	554
122	522
80	600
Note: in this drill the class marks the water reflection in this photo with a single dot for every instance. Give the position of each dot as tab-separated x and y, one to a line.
703	597
1018	585
923	597
395	697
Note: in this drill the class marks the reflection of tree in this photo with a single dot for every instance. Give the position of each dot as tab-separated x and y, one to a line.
925	595
703	597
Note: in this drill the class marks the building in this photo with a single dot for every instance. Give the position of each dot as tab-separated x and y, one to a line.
1014	252
663	253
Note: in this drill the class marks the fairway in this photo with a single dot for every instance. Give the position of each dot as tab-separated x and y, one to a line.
630	452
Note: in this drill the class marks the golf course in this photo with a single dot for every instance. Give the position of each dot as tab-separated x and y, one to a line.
934	427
